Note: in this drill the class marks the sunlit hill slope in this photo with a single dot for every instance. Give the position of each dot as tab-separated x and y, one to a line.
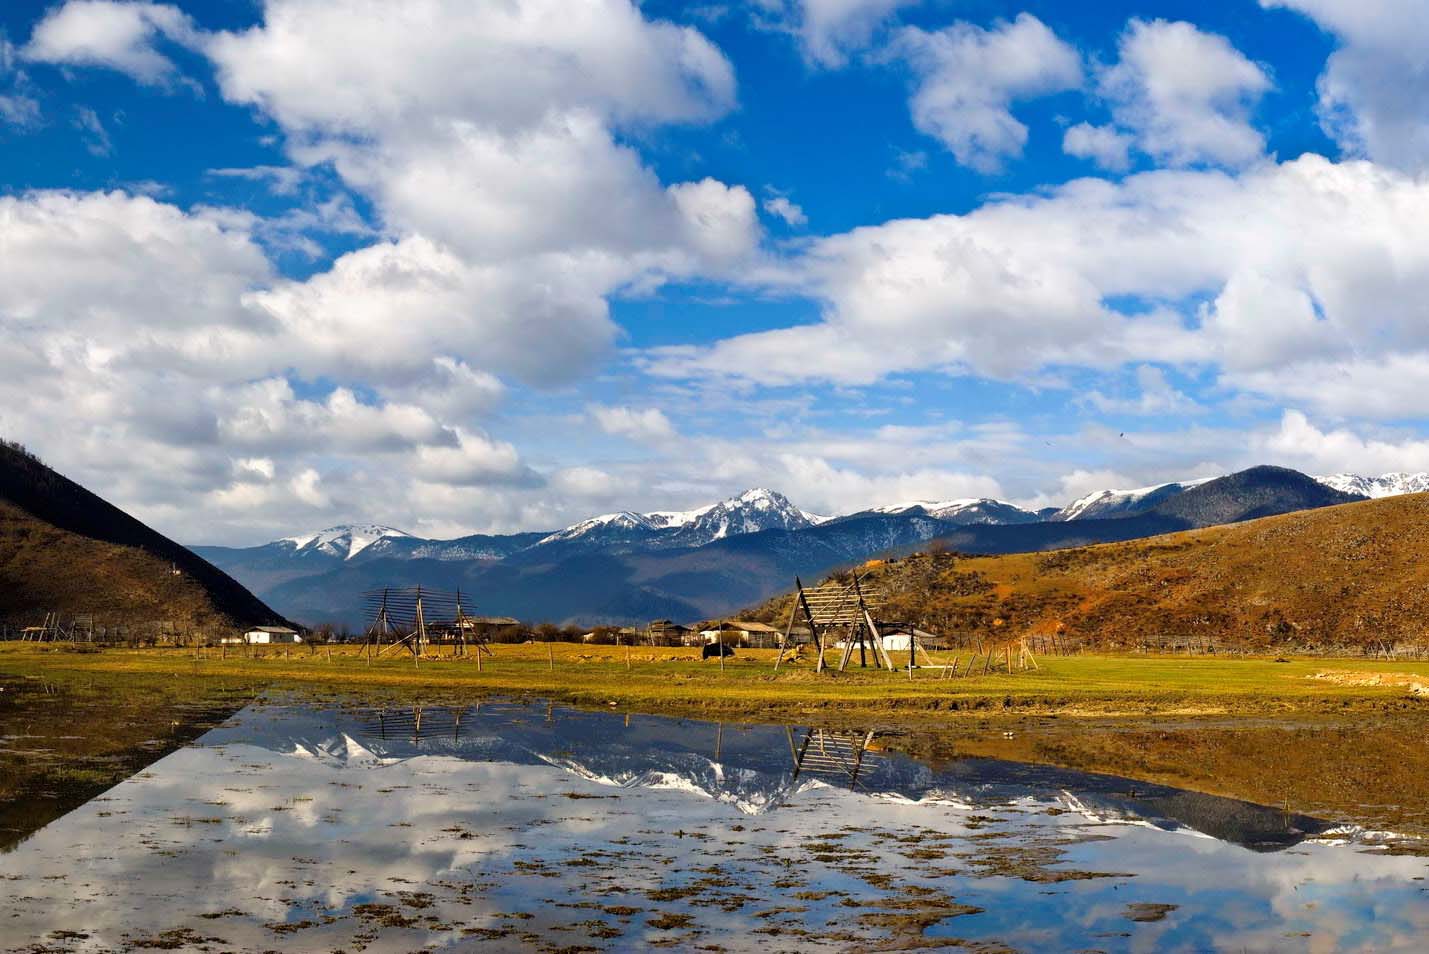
1352	575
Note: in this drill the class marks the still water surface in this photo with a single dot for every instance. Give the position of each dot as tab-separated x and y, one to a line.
514	827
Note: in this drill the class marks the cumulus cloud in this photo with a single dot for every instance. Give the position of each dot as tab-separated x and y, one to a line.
968	78
1372	91
1187	95
488	141
1321	451
176	347
830	31
649	424
121	36
1155	395
790	212
1276	275
1108	147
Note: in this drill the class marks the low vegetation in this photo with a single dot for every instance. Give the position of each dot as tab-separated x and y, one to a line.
657	679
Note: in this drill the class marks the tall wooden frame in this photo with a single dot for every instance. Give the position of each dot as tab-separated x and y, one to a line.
829	608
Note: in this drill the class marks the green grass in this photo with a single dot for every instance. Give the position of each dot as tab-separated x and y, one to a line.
676	680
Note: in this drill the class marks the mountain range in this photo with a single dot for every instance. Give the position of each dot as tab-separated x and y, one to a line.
629	567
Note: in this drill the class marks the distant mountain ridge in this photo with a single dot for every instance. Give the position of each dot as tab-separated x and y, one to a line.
629	567
1385	485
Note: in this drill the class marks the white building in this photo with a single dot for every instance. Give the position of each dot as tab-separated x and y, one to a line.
263	635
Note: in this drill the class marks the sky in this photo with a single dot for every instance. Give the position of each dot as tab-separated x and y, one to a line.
460	266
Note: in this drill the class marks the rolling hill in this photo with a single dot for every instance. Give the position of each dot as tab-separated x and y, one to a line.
65	550
1343	576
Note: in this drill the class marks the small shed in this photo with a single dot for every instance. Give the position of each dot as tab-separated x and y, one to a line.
263	635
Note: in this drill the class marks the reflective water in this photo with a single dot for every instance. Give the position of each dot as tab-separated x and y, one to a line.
535	827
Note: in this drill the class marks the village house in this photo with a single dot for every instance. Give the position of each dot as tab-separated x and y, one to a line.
266	635
745	632
664	632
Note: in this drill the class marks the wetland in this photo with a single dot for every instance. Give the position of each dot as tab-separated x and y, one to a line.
217	814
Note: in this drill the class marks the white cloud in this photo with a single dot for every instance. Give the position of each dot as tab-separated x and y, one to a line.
586	484
1301	443
1307	266
490	141
718	220
1187	95
18	108
827	488
282	180
1372	92
649	424
474	460
830	31
500	65
107	33
1155	395
968	79
342	320
1104	145
96	137
788	211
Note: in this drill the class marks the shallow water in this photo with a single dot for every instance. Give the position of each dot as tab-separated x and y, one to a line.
302	827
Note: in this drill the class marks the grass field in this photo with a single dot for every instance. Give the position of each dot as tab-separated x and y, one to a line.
677	681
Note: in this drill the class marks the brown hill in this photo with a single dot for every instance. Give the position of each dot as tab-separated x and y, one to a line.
65	550
1346	576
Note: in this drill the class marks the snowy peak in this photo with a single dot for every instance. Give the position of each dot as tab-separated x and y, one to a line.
1385	485
343	542
622	522
749	512
964	510
1107	504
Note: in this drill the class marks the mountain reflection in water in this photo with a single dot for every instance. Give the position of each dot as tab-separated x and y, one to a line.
757	768
538	827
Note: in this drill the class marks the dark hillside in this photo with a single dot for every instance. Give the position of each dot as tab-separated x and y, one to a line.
64	549
1248	494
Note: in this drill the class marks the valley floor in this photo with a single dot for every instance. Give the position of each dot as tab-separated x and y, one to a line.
677	681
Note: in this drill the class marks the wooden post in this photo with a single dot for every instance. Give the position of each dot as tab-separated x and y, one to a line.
784	641
627	658
550	658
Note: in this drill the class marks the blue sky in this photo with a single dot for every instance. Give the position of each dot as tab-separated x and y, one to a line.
465	266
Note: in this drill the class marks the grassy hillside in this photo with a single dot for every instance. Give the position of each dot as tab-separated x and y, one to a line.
63	549
1341	577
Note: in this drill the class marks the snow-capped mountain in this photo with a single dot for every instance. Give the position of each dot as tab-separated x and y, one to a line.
343	542
1385	485
750	512
964	511
1107	504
